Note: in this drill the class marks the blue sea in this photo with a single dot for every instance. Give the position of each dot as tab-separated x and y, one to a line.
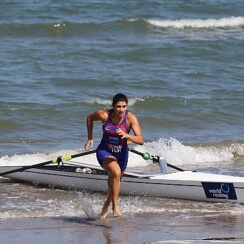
181	64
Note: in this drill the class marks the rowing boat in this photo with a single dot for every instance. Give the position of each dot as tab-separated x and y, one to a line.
190	185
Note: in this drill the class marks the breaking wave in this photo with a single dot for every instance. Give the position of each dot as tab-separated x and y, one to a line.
198	23
177	153
174	151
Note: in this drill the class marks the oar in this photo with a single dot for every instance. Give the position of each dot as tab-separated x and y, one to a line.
148	156
54	160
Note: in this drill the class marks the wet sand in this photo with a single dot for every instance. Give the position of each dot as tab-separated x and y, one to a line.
140	228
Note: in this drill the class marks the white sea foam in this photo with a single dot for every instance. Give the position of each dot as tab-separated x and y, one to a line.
23	159
179	154
59	25
98	101
30	159
227	22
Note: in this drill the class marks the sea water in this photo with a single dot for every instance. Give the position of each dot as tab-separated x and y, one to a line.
181	65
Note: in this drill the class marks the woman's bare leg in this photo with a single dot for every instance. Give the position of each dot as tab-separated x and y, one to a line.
114	171
106	204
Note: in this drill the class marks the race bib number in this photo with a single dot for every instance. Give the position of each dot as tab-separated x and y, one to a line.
115	148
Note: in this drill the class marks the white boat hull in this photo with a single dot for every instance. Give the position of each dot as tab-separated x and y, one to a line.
183	185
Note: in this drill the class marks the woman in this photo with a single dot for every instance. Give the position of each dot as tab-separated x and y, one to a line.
112	152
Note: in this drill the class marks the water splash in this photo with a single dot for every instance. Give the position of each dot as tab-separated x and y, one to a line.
87	205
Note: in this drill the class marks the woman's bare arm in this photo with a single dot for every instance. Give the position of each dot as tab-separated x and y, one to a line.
98	115
135	126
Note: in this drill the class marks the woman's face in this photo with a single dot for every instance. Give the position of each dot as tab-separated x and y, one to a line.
120	108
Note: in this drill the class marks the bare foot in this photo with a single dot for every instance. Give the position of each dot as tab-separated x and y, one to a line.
104	216
116	212
104	213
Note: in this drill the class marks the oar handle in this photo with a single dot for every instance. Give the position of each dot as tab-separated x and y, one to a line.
147	156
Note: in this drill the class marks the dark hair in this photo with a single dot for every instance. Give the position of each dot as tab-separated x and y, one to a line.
119	98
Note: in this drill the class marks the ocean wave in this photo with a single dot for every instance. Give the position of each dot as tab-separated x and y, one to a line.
171	149
144	101
117	25
108	102
177	153
228	22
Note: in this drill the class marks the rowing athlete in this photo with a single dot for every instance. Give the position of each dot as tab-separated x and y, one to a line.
112	152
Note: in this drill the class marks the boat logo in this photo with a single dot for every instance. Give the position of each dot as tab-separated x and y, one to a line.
219	190
225	188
